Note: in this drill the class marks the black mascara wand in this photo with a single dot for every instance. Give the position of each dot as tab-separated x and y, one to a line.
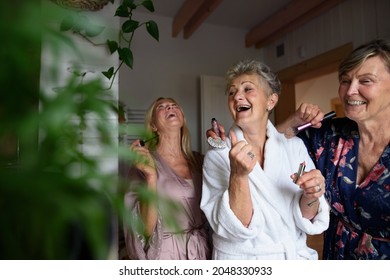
143	142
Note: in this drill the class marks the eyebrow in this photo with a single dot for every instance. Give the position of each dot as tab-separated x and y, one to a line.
360	75
368	74
243	82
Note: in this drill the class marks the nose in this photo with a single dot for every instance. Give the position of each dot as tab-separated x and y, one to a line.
238	95
353	88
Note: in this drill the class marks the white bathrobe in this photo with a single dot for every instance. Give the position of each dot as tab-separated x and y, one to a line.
277	229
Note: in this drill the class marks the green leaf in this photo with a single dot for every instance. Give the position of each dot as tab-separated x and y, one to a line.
126	56
80	23
93	30
122	11
129	26
129	4
109	73
67	23
148	5
112	46
152	29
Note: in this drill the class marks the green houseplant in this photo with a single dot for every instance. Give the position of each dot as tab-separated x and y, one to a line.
55	203
79	24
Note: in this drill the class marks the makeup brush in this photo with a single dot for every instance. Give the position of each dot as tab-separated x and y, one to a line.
292	131
143	142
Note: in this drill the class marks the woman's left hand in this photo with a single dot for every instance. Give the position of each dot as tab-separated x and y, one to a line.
312	183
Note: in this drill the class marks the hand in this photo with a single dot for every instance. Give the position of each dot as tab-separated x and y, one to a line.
308	113
304	114
144	160
213	134
312	183
242	158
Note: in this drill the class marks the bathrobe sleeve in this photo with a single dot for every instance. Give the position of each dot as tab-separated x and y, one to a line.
215	198
321	221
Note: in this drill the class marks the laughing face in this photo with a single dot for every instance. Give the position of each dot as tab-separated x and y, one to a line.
168	115
249	98
365	91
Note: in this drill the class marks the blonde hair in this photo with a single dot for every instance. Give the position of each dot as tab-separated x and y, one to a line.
379	47
150	119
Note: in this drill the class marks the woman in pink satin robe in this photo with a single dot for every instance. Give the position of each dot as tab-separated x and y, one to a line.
172	171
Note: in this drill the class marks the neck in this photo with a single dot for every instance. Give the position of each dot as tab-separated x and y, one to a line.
169	146
375	134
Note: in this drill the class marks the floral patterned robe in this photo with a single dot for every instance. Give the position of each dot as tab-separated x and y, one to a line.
360	214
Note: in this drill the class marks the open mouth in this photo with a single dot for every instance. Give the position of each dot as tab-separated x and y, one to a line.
171	115
241	108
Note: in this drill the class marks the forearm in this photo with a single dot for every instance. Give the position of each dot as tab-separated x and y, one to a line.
240	199
148	209
309	207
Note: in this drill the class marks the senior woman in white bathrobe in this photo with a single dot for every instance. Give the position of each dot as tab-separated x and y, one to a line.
249	196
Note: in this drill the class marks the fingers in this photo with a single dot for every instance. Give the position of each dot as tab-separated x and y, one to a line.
233	138
222	132
242	158
216	130
310	113
210	133
143	159
312	183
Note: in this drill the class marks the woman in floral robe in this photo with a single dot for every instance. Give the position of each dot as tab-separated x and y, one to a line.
353	154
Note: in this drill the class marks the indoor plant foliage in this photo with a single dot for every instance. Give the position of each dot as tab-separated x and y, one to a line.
55	202
79	24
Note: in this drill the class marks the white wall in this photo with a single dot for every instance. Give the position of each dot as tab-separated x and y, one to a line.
173	66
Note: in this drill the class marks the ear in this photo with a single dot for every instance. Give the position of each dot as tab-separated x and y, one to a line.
272	101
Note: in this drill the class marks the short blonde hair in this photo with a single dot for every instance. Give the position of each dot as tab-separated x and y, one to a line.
379	47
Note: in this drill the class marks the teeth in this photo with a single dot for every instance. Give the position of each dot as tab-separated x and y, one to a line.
243	108
355	102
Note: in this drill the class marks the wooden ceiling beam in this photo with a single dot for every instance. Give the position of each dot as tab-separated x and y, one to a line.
320	9
185	13
279	20
200	16
295	14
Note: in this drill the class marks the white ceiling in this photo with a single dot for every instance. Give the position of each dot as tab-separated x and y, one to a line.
243	14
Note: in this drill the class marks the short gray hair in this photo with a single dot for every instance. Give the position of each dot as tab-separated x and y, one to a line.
254	67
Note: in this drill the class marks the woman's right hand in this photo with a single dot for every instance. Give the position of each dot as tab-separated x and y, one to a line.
144	160
305	113
308	113
242	157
